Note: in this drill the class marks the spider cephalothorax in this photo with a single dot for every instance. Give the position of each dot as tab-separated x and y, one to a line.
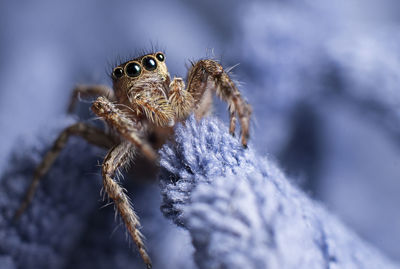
144	102
141	80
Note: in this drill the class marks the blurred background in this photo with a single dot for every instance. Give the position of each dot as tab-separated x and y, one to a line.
323	79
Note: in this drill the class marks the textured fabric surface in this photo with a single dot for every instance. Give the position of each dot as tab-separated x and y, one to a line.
242	212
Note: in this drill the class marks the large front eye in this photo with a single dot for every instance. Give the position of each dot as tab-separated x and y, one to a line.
133	69
118	72
149	63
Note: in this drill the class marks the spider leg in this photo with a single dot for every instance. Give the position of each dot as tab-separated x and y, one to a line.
124	125
117	157
180	99
89	91
157	109
89	133
208	75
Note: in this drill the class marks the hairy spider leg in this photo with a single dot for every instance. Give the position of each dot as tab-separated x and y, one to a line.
116	158
91	134
89	91
180	99
119	156
208	75
124	125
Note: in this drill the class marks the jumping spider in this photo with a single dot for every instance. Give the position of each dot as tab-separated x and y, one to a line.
144	102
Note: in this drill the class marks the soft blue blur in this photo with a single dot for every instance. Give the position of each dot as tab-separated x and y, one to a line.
323	78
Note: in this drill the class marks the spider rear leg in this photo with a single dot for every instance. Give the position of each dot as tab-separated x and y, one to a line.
91	134
89	91
209	75
116	158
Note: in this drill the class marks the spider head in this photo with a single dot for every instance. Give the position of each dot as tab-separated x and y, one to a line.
142	73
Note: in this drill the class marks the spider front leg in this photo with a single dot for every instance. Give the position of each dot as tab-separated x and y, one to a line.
124	125
89	133
116	158
180	99
209	75
89	91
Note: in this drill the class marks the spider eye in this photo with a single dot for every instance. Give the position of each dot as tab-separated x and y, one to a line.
160	57
149	63
118	72
133	69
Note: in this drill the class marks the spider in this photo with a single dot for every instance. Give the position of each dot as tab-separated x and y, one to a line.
141	110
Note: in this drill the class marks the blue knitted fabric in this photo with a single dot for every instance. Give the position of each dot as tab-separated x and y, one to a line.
242	212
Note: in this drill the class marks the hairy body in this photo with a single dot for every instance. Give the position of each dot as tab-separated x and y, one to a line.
141	110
